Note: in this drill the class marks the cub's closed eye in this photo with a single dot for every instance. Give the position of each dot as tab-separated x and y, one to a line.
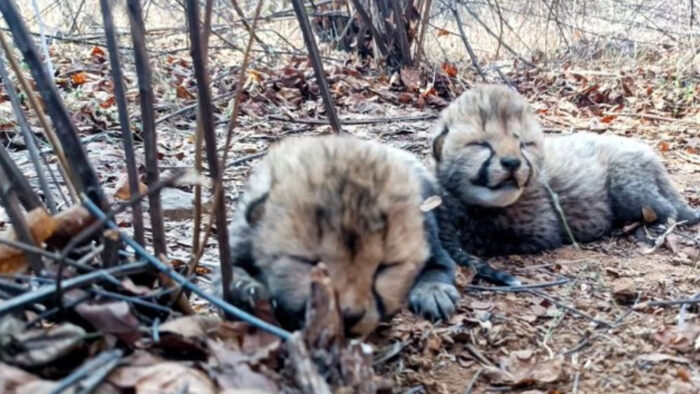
305	260
528	144
483	144
385	266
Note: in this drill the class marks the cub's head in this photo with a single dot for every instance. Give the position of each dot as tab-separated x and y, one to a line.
488	146
353	205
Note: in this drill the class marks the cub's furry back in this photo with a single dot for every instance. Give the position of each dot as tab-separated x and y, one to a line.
354	205
494	163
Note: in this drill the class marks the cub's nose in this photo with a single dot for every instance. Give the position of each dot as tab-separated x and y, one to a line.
350	317
510	163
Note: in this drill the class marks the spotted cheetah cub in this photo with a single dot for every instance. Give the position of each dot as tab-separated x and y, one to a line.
355	205
494	164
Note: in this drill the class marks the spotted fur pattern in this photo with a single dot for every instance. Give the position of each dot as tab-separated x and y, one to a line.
355	206
602	181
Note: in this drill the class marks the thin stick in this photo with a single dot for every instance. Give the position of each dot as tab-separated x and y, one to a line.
560	211
463	35
653	117
423	29
218	186
378	39
205	109
39	110
496	36
25	191
10	202
401	35
569	308
46	291
87	369
349	122
517	289
472	382
183	281
127	138
247	26
317	64
66	131
687	301
190	107
143	70
44	46
21	186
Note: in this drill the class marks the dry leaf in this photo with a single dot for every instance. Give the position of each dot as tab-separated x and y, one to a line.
166	377
524	368
405	98
680	338
42	226
192	326
183	93
33	348
410	76
449	69
442	33
108	103
124	191
78	78
111	318
607	119
15	380
97	51
663	146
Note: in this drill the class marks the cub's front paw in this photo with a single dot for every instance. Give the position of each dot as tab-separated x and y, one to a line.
434	300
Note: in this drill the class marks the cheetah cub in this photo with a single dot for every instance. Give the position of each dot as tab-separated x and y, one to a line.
494	164
355	205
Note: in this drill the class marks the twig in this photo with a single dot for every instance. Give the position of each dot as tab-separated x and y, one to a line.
517	289
39	110
400	31
557	206
472	382
46	291
378	38
349	122
246	25
24	190
66	131
181	280
91	383
127	138
190	107
662	238
653	117
317	64
218	186
26	193
10	202
143	70
576	380
44	46
687	301
106	357
463	35
205	110
423	29
569	308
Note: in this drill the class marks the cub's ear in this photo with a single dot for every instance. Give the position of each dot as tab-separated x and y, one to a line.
255	210
438	143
